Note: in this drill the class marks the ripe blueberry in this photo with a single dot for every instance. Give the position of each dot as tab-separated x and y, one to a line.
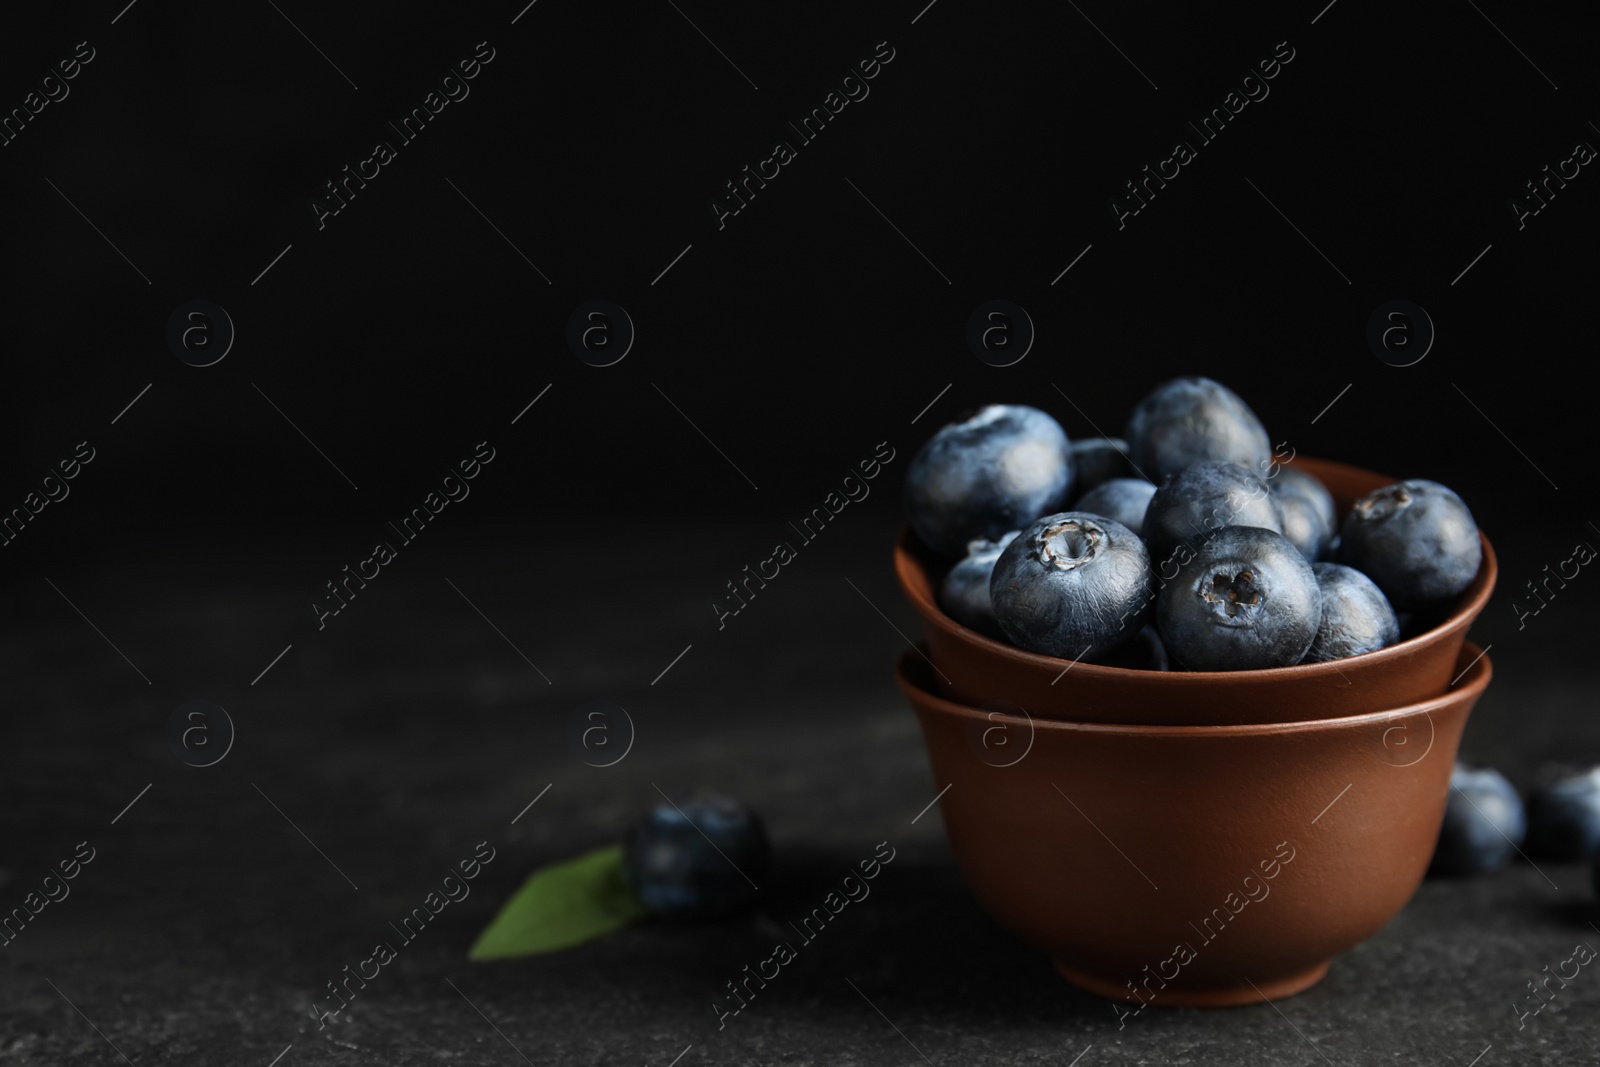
1484	823
1356	616
1097	460
1416	539
1072	585
1203	498
1243	600
1308	512
1143	652
1122	499
964	594
992	472
1192	419
1290	479
1564	818
671	861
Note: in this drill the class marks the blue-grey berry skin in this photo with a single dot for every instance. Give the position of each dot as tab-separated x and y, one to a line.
1244	600
1309	518
1484	823
1097	460
1143	652
987	474
1194	503
1122	499
1416	539
1564	818
1289	479
670	859
964	593
1072	585
1356	616
1303	524
1191	419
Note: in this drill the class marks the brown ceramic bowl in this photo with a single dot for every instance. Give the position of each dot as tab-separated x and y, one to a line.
1263	850
974	669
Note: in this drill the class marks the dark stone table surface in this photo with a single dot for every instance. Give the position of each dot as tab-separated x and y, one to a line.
379	751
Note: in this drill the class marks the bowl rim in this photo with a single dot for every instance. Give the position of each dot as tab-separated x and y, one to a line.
909	556
1477	675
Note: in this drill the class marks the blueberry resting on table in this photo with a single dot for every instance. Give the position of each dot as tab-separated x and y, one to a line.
1244	600
1191	419
964	593
1416	539
1122	499
987	474
671	858
1484	823
1356	616
1072	585
1564	818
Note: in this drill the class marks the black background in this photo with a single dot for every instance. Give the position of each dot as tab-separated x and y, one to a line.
796	338
806	329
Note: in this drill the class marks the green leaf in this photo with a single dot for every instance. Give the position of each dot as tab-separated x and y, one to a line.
562	905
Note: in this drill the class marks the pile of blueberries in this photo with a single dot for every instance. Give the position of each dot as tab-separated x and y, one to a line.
1486	822
1187	544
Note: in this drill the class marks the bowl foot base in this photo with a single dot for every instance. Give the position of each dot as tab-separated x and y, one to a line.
1205	997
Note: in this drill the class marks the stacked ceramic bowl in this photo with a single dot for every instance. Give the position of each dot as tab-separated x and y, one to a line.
1193	838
